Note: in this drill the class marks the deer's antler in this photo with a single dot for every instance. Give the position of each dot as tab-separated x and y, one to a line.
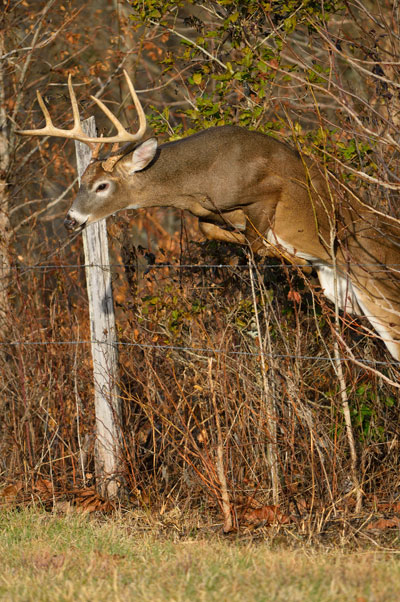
76	133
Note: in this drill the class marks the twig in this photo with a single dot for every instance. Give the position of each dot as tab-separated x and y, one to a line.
269	401
226	506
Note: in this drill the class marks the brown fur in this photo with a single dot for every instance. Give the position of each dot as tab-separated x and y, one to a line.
247	187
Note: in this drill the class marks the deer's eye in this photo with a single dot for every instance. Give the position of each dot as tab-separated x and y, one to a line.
102	186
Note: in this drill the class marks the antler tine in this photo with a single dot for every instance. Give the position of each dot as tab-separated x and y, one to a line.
49	123
49	128
120	128
77	133
96	150
138	106
123	134
75	110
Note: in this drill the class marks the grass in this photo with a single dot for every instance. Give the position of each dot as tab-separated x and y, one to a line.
81	558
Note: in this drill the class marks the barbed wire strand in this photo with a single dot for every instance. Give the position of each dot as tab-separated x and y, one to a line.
187	266
29	268
200	350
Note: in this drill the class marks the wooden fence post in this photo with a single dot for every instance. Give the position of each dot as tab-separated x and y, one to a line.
104	341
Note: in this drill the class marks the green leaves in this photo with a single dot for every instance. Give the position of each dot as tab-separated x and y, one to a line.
197	78
143	12
290	24
229	60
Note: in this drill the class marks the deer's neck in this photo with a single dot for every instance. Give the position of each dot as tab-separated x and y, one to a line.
179	177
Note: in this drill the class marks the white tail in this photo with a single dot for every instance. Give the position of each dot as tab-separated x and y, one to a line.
247	187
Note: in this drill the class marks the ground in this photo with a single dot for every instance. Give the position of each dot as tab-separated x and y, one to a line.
133	556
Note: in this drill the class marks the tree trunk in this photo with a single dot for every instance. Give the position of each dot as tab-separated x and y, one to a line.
4	201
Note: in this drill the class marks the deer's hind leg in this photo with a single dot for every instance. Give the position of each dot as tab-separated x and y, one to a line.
379	304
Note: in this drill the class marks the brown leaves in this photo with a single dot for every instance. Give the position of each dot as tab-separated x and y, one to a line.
384	523
294	296
386	507
15	492
266	515
72	38
44	489
10	492
88	500
82	500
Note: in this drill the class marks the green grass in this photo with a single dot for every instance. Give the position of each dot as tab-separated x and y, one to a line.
80	558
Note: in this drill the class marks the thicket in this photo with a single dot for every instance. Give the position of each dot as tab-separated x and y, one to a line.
217	348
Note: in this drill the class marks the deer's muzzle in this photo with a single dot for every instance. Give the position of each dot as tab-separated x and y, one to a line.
72	225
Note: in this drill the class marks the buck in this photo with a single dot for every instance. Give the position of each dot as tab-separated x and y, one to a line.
247	187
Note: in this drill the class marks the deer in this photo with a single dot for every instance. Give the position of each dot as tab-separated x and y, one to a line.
249	188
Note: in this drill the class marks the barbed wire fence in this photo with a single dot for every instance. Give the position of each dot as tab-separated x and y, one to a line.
193	352
24	269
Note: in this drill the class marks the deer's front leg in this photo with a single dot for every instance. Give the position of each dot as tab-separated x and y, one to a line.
225	227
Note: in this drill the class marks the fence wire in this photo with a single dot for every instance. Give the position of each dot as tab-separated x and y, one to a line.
203	350
26	268
179	266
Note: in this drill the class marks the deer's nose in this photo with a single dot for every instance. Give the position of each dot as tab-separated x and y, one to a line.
70	223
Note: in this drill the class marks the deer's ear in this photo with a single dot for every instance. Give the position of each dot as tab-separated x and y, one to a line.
141	156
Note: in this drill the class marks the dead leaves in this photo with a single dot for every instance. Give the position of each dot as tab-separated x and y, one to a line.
385	507
384	523
42	490
266	515
249	512
64	502
10	492
254	514
294	296
88	500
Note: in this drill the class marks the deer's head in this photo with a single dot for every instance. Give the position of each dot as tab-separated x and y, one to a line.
108	186
104	188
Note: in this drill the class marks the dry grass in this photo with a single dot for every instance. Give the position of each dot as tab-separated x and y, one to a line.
46	557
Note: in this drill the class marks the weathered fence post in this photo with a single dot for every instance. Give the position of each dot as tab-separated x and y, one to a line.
104	341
